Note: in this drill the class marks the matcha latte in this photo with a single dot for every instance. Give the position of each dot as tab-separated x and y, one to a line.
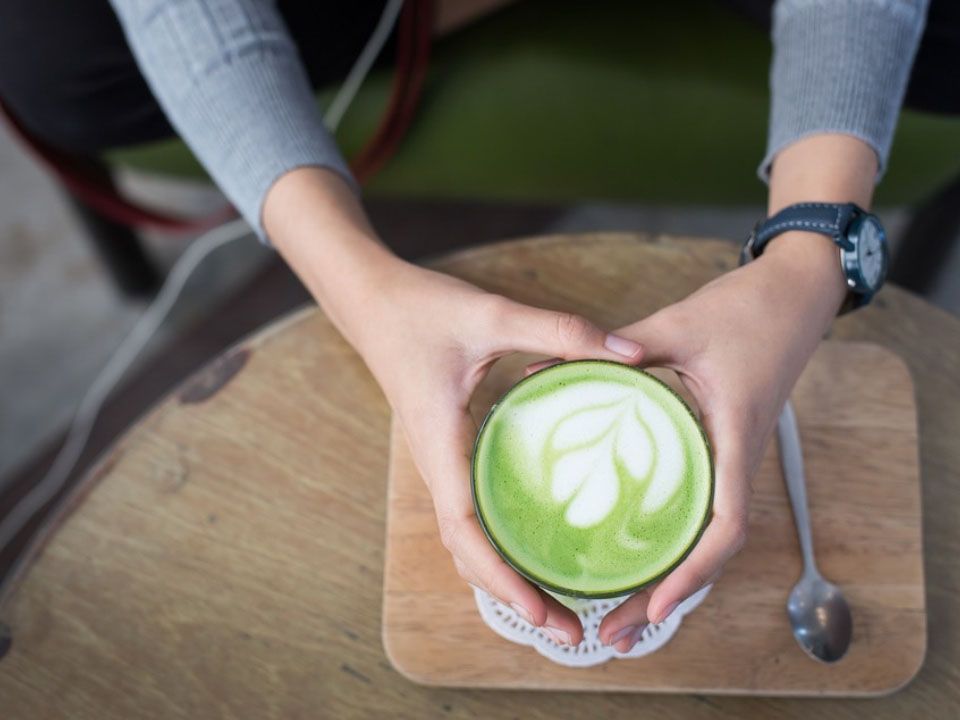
592	478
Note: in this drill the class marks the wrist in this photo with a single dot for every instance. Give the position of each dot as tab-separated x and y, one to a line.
831	168
312	214
316	222
808	264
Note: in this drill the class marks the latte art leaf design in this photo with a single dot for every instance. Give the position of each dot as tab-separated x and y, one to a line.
592	478
593	451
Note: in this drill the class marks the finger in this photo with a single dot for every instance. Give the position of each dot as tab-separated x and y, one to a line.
721	541
480	565
623	625
561	334
662	337
562	624
658	336
559	622
636	622
727	531
448	476
538	366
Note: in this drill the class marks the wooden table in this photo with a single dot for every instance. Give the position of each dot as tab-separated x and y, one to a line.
225	558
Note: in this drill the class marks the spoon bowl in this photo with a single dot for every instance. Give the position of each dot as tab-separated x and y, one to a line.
820	618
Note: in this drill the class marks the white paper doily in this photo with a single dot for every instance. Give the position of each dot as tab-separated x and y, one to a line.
591	651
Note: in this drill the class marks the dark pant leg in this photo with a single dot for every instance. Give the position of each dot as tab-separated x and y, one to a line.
331	35
68	75
935	80
929	238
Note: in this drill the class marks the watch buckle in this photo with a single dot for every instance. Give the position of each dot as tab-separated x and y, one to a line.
746	252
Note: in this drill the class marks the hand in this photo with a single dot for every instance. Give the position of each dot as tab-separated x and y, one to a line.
429	339
738	345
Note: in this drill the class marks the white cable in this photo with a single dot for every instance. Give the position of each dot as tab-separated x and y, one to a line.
112	373
358	73
151	320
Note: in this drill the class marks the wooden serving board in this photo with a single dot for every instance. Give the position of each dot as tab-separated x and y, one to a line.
855	406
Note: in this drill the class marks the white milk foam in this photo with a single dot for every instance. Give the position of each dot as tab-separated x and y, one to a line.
602	424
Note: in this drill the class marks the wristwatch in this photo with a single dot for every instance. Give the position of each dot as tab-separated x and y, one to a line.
859	235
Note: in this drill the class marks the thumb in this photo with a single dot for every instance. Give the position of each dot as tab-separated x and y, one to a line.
563	335
663	340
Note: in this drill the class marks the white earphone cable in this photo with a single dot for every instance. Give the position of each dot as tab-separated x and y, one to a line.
116	367
361	68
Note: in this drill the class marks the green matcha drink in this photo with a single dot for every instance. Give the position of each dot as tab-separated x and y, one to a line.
592	478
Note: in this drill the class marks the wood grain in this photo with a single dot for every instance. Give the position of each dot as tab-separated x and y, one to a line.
226	559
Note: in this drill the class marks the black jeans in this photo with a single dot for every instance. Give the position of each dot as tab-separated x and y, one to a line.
69	76
67	73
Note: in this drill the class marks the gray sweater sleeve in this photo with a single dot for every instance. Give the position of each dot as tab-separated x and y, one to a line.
841	66
229	78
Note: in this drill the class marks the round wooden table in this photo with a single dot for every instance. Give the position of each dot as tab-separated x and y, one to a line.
225	559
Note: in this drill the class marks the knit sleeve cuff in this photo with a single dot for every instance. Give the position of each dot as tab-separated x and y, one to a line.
262	122
840	67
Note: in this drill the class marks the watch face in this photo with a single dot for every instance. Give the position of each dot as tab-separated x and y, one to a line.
871	252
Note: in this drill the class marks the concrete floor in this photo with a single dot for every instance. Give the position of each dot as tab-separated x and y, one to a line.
60	318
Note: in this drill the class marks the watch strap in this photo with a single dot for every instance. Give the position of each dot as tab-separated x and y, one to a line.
829	219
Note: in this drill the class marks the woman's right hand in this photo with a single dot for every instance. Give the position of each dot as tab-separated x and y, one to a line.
429	339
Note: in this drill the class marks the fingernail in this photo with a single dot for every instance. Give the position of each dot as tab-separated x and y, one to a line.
523	612
635	638
561	637
622	633
542	365
621	346
666	612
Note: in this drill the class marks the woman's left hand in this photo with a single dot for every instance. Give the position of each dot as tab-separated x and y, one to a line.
739	345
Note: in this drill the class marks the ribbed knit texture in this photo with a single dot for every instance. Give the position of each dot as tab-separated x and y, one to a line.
229	78
841	66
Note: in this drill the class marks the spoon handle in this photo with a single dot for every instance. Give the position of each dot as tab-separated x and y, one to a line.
791	459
